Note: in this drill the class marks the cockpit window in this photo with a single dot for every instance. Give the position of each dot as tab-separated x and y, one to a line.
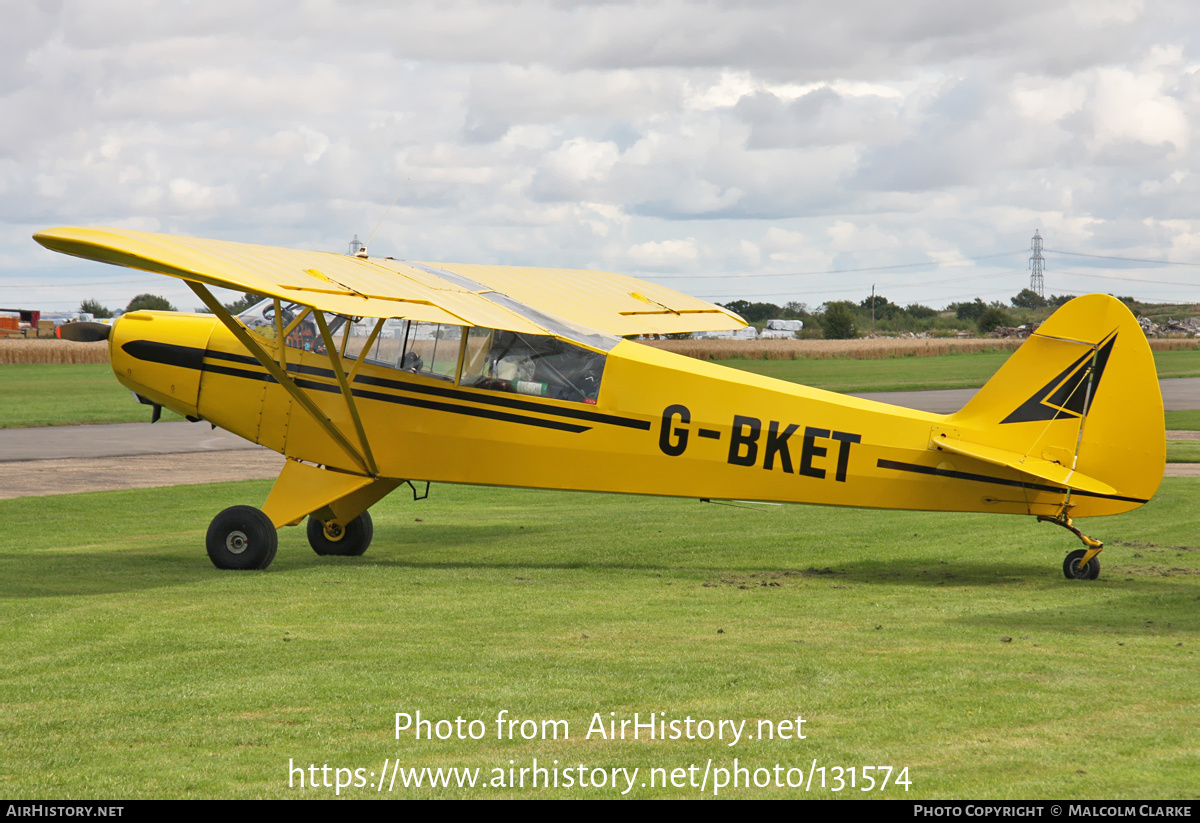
429	349
300	334
531	364
260	319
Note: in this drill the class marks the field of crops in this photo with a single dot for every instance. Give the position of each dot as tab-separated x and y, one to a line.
880	348
40	351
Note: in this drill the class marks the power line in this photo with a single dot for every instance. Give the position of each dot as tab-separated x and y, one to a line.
1128	259
833	271
83	283
889	287
1126	279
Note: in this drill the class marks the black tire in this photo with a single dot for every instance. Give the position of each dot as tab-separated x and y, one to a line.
352	542
1073	571
241	537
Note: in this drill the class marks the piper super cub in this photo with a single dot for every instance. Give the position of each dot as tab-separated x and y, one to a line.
369	372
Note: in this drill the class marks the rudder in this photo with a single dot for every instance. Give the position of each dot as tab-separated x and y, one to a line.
1079	404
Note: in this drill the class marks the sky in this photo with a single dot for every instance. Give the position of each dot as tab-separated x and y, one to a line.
777	151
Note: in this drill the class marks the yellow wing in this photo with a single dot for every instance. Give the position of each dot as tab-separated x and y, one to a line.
528	300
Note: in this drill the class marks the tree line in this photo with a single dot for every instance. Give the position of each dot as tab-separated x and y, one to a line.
845	319
154	302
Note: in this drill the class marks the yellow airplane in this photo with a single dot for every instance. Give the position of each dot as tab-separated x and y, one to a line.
368	373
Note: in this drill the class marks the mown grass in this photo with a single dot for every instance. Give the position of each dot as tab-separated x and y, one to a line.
950	644
65	395
950	371
1183	451
1183	420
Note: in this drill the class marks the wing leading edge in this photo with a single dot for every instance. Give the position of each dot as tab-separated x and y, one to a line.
459	294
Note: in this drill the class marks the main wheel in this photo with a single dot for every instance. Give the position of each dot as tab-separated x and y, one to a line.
1074	571
348	541
241	537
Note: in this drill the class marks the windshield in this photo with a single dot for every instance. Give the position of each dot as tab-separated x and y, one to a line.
304	335
491	359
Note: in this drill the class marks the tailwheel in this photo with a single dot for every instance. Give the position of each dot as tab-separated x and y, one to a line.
350	540
241	537
1075	569
1080	564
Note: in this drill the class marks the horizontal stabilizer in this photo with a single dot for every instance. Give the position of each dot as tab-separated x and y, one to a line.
1026	464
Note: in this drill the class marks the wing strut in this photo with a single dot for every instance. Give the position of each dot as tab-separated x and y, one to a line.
335	360
246	339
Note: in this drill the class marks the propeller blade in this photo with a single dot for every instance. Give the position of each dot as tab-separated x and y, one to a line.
83	332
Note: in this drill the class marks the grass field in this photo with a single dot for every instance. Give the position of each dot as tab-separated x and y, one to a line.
1183	420
135	669
948	644
67	394
950	371
1183	451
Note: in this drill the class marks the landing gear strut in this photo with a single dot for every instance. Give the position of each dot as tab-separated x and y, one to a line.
1081	564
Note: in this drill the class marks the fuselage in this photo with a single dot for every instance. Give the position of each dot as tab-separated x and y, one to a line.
661	424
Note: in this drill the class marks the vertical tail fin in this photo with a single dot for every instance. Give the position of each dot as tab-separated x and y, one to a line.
1078	404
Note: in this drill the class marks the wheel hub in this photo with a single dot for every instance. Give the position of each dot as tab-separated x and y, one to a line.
237	542
334	532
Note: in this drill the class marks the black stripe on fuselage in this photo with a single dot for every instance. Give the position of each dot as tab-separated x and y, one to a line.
506	402
999	481
192	358
152	351
473	411
450	393
417	402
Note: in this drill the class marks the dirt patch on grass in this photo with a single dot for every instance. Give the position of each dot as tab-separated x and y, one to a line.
1138	546
39	478
1154	557
767	580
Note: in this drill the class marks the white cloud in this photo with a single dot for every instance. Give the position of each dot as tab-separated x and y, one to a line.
1132	106
580	160
667	253
1107	11
665	137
